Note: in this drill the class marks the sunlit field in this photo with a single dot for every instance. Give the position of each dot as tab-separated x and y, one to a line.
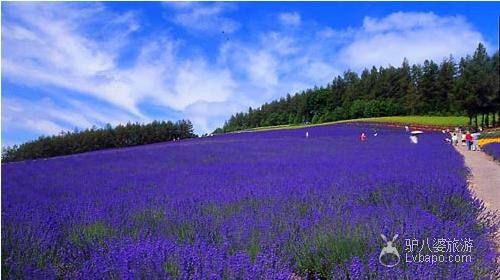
431	121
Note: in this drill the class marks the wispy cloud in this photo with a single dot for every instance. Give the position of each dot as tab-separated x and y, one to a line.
206	17
290	19
48	46
44	116
416	36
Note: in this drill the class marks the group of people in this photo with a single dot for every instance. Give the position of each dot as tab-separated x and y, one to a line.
413	137
458	137
363	137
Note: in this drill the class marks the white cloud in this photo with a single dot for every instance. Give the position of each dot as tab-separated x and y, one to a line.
46	117
276	63
416	36
290	19
262	68
45	48
206	116
282	44
338	35
203	16
196	81
407	21
321	71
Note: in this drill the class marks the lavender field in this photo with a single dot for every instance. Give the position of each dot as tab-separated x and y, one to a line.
260	205
493	149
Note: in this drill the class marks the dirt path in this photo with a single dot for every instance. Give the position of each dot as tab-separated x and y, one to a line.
485	180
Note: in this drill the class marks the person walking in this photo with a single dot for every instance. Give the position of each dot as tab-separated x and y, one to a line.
468	140
475	141
454	138
459	136
414	139
363	137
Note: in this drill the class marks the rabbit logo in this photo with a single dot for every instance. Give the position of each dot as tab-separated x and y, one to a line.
389	249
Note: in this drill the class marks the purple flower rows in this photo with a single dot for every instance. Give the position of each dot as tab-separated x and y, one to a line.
492	149
261	205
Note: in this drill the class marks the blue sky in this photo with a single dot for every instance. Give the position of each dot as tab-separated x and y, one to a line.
75	65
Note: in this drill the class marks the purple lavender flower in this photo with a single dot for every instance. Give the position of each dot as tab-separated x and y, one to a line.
493	149
266	205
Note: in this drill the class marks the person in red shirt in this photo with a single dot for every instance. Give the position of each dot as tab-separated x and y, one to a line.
363	137
468	139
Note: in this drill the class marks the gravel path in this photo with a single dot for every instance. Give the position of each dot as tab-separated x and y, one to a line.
485	180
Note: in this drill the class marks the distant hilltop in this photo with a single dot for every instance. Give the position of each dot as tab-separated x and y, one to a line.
468	88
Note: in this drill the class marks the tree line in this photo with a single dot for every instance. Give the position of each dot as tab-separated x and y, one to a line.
92	139
469	87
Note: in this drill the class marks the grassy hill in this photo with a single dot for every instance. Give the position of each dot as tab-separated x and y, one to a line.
439	121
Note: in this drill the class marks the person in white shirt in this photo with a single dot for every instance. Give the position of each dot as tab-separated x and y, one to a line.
454	138
414	139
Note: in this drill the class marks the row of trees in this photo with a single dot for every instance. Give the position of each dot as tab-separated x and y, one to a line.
94	138
470	88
